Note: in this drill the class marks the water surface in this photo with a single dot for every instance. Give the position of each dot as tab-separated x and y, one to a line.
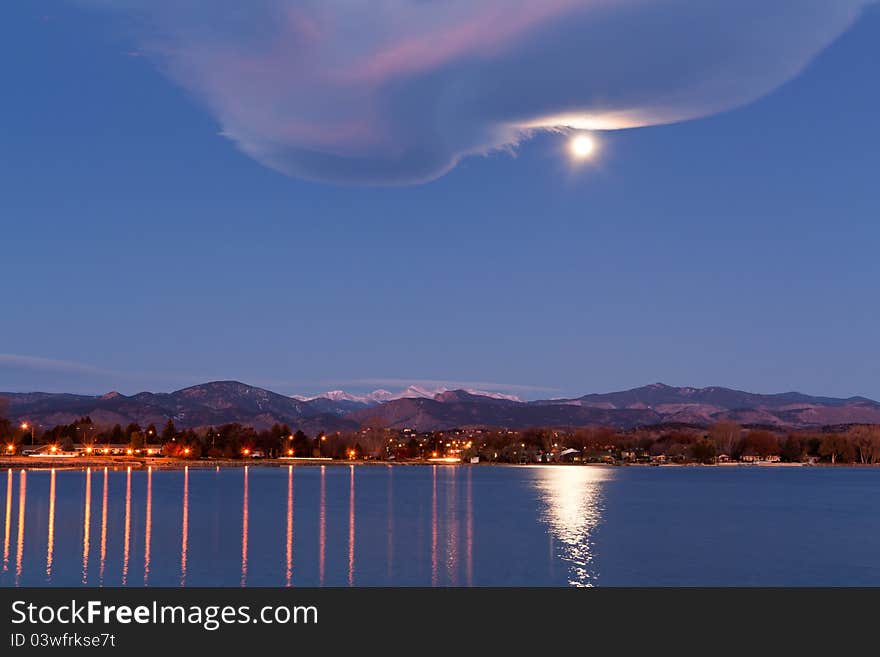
441	526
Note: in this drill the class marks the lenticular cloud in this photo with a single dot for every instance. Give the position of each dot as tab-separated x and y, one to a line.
399	91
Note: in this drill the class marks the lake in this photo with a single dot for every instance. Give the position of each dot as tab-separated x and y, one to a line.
441	526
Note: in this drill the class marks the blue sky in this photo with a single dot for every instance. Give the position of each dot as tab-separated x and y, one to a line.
145	250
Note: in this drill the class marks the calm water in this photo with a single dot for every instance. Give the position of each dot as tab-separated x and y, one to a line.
441	525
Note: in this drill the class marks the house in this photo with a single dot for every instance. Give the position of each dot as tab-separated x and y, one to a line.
754	458
117	449
51	451
569	455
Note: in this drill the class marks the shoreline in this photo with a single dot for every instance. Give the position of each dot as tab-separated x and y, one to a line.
136	463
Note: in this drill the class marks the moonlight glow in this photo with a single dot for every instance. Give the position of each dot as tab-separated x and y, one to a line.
582	147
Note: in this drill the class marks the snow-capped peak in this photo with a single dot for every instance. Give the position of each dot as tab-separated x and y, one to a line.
495	395
410	392
341	395
335	395
380	395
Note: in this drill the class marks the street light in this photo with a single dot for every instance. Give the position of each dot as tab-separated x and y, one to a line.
25	426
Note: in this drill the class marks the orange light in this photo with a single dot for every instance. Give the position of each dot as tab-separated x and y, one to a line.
323	437
25	426
246	451
88	450
53	449
129	452
186	451
10	447
106	451
290	452
434	454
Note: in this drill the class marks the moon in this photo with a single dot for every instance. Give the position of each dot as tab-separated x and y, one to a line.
582	146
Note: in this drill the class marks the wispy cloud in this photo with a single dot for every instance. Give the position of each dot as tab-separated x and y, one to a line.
105	377
40	364
46	372
446	383
399	91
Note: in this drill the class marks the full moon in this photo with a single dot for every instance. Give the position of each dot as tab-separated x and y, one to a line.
582	147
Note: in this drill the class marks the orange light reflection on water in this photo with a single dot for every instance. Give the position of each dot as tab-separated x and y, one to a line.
435	574
452	527
289	536
351	527
148	528
19	550
322	526
126	544
184	527
87	525
8	520
469	531
244	530
103	562
50	545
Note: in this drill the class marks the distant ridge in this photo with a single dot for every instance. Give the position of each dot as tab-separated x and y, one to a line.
222	402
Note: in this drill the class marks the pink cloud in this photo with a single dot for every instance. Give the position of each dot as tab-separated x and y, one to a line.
493	26
399	91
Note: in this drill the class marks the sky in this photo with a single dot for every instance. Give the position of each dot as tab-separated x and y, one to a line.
308	197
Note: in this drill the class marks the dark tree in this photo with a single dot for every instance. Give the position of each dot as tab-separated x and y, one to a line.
302	446
169	431
836	448
760	443
6	430
704	450
117	436
793	449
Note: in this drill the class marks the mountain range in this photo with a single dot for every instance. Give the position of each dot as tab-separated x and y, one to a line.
221	402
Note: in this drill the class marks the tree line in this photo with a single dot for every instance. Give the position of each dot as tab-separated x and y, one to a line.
231	440
722	441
